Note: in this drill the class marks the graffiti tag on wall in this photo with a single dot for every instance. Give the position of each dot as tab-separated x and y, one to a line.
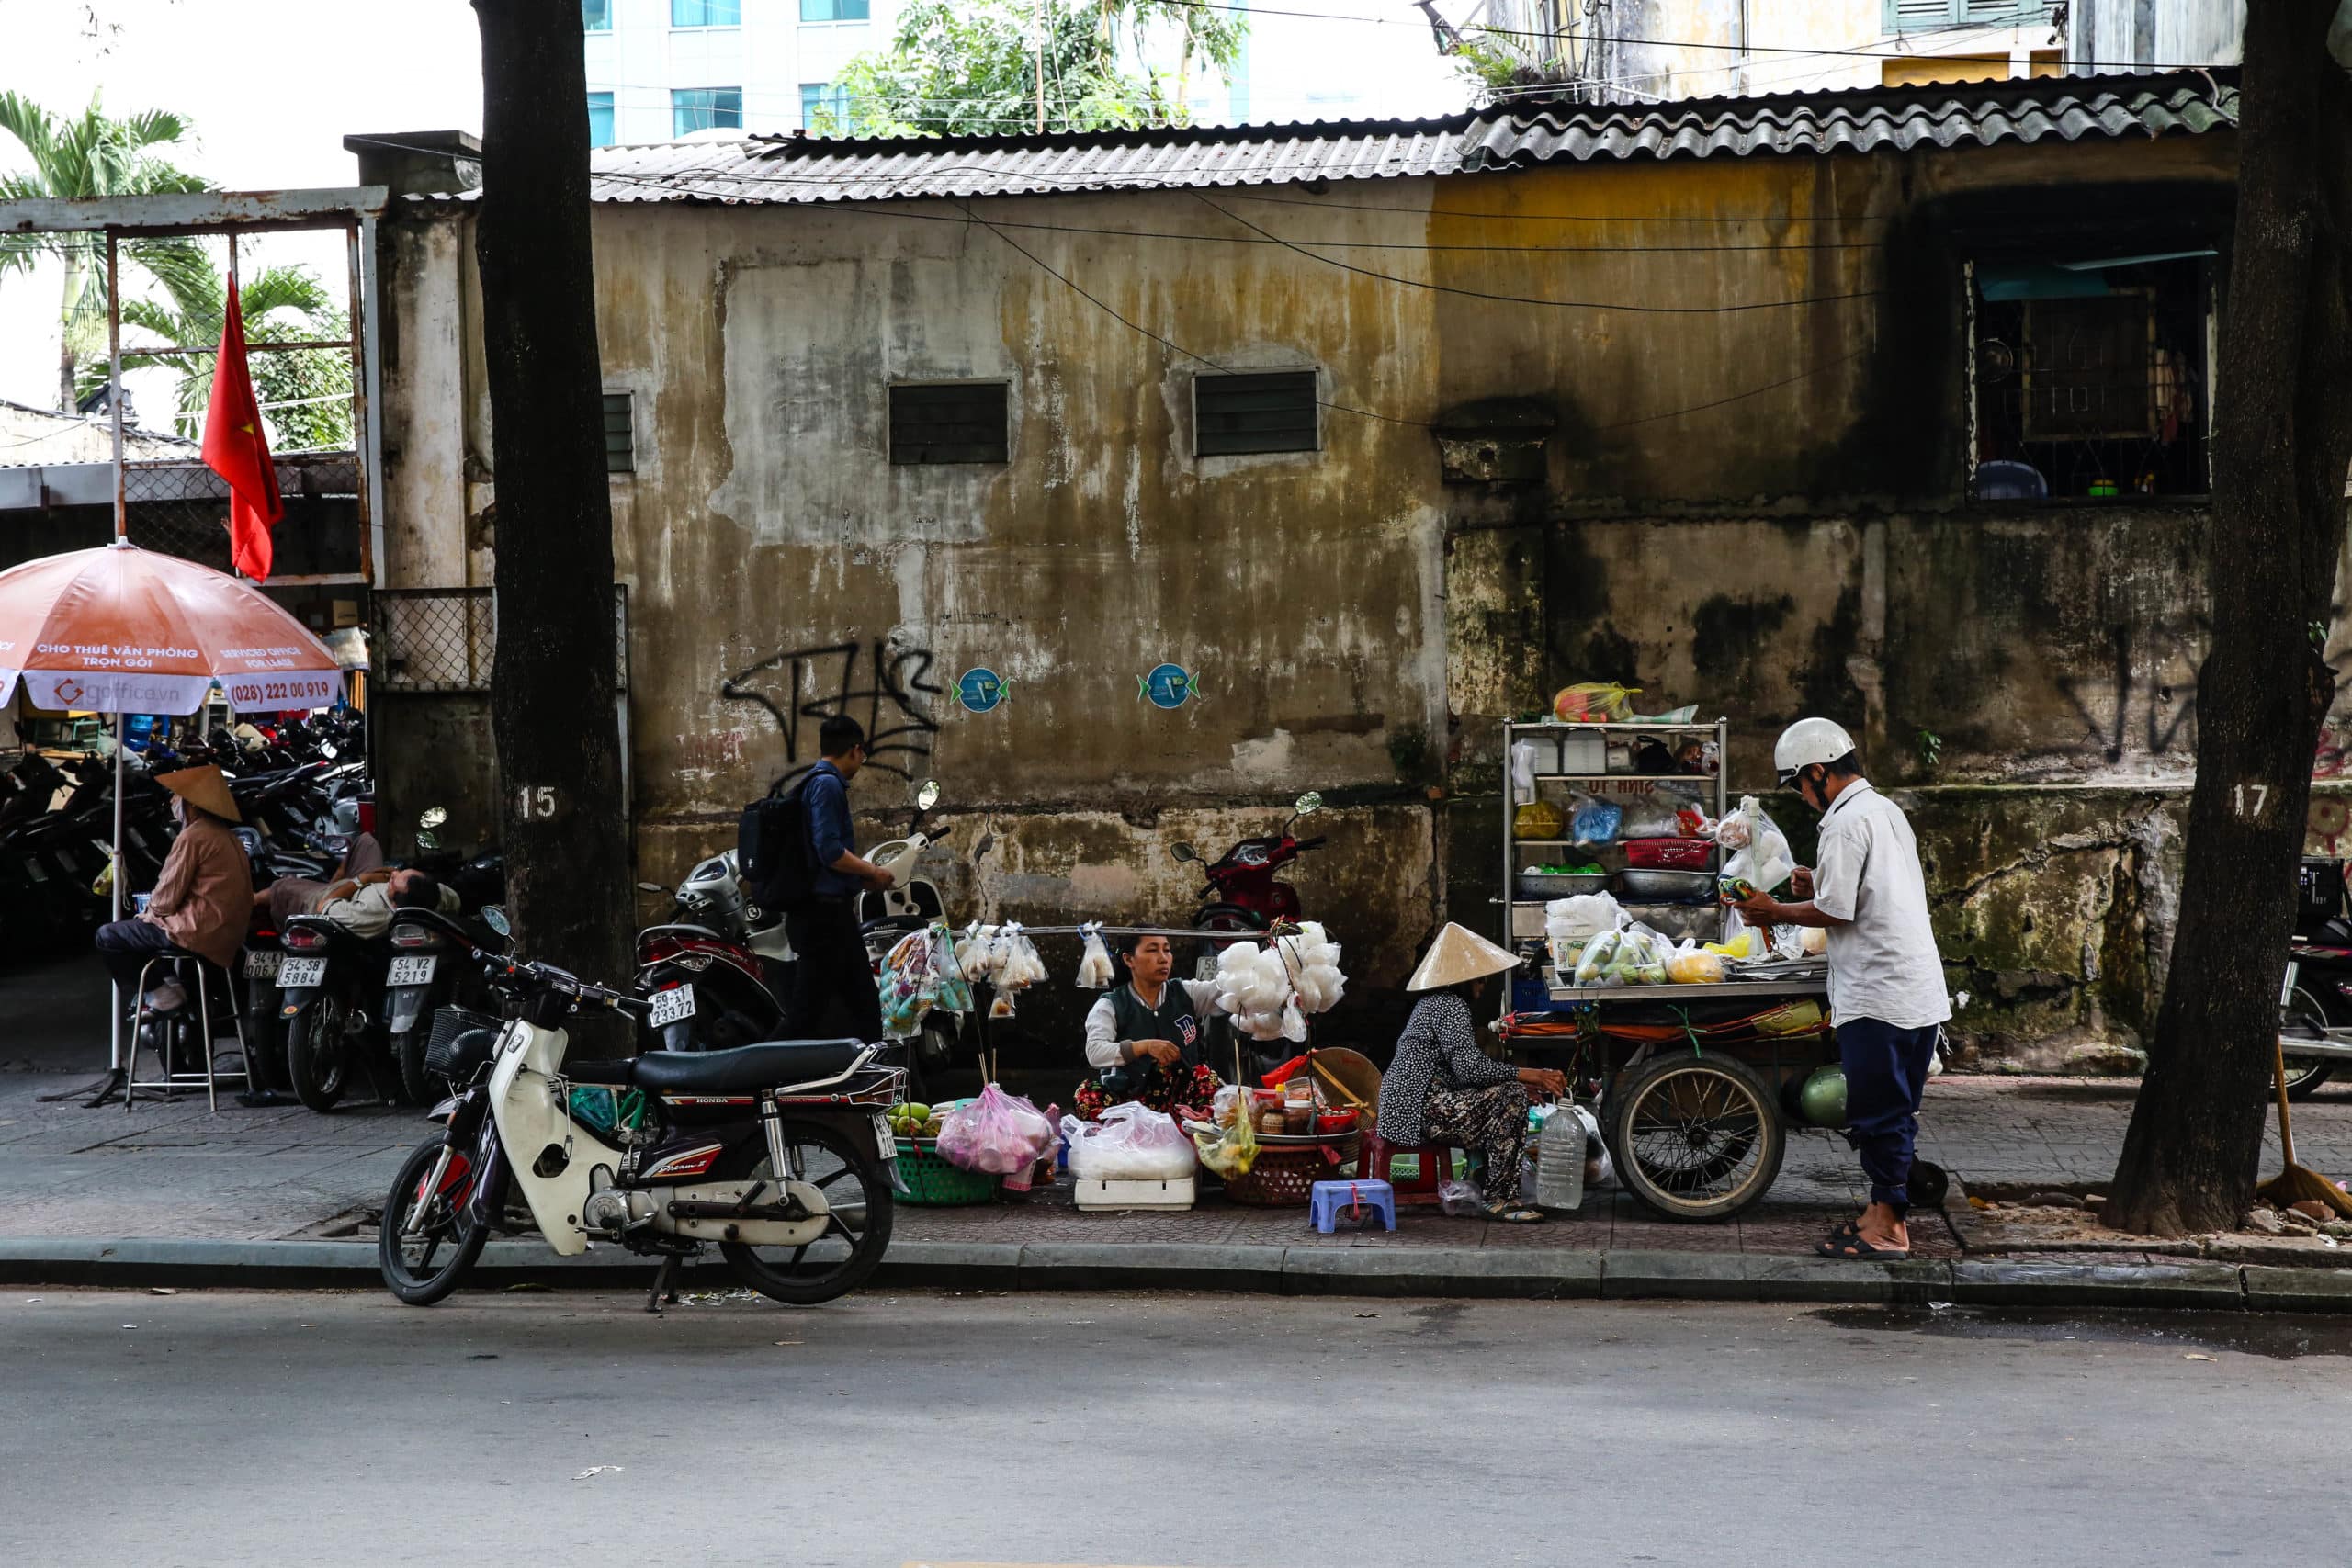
2169	707
886	687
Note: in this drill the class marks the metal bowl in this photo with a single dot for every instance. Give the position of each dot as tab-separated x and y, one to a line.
1666	887
1559	884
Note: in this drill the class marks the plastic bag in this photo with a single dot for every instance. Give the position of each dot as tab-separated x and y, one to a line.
1460	1200
1659	817
1690	965
997	1134
1131	1143
1594	821
1584	914
1642	955
1759	852
1592	702
1598	955
1231	1150
1095	972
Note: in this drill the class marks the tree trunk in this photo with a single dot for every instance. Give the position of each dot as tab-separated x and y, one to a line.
553	686
2282	444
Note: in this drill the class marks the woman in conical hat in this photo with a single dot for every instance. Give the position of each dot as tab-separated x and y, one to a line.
1442	1089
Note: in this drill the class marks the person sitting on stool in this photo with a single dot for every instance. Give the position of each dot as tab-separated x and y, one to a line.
204	897
1145	1040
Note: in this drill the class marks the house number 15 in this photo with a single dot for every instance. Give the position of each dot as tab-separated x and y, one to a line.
536	800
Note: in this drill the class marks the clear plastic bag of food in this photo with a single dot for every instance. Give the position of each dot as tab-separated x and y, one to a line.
1095	971
1592	702
1231	1150
1129	1143
998	1134
1758	850
1600	953
1692	964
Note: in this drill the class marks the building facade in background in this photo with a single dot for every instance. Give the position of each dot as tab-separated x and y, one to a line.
1652	51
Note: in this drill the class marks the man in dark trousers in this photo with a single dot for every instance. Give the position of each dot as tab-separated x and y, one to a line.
831	964
1886	980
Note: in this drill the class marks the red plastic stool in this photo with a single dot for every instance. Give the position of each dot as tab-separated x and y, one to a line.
1379	1156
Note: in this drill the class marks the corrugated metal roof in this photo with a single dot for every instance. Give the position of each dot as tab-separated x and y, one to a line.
1983	113
792	169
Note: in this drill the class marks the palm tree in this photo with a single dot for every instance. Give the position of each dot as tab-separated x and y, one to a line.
72	159
305	394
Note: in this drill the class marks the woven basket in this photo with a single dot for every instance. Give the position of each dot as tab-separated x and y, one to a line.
934	1183
1285	1178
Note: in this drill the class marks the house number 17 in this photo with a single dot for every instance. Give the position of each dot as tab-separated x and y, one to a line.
536	800
2261	792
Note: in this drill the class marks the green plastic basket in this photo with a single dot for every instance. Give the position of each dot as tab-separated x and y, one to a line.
932	1182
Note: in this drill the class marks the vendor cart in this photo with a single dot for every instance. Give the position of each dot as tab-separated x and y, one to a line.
1697	1085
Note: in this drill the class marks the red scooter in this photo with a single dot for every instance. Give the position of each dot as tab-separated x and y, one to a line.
1243	894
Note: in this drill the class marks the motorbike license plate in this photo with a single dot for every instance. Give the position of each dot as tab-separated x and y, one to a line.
410	972
262	964
2287	987
886	1141
298	974
673	1004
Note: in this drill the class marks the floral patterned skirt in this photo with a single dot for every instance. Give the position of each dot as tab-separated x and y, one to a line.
1161	1088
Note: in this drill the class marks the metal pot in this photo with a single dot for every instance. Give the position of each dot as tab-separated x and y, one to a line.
1559	884
1665	887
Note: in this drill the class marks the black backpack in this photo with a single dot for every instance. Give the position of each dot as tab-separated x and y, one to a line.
772	851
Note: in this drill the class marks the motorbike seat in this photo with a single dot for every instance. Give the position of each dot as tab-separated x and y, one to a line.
779	1064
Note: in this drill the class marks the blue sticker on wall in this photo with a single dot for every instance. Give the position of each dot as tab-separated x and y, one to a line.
981	689
1169	686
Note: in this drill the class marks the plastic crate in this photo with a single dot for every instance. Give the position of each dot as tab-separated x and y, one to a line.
932	1182
1177	1194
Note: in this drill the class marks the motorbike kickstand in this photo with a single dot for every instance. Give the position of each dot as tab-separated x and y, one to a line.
665	1285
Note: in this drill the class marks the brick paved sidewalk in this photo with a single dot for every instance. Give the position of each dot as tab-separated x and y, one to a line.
173	1170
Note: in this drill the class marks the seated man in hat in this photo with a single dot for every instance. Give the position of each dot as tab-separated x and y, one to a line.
204	895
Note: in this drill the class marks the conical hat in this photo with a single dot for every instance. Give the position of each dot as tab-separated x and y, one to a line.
1459	953
203	789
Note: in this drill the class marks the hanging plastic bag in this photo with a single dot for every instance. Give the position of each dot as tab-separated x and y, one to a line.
1130	1142
1522	772
1095	972
1594	821
1758	850
1231	1150
1660	816
997	1133
1592	702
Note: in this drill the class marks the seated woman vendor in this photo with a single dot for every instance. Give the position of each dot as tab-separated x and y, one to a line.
1145	1039
1442	1089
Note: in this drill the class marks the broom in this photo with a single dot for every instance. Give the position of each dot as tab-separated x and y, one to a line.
2297	1183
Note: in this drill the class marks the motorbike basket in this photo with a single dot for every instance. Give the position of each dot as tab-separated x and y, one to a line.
461	1042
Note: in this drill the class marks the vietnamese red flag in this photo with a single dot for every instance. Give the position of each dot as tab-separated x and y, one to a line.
236	447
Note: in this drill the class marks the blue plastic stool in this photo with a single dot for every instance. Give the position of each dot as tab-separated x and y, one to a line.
1330	1197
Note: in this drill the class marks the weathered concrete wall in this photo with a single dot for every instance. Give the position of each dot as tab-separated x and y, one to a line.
1746	497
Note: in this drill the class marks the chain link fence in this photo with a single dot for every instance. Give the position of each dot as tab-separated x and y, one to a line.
181	507
444	639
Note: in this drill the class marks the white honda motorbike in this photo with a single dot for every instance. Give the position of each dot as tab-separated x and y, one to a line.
777	1153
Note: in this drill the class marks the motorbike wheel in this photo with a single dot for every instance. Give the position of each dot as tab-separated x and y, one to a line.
318	1051
422	1268
417	1084
2304	1074
859	1193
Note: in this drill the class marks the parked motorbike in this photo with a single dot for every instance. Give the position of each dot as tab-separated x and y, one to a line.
327	984
779	1154
2315	1006
1244	892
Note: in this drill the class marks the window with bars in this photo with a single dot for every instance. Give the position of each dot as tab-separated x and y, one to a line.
953	422
704	108
620	433
1264	412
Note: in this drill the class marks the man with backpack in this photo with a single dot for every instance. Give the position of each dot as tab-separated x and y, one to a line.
800	858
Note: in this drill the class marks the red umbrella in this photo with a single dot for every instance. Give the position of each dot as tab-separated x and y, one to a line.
118	629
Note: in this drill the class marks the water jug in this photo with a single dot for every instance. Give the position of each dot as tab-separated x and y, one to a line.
1559	1161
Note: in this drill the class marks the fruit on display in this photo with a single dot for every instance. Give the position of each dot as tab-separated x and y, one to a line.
913	1119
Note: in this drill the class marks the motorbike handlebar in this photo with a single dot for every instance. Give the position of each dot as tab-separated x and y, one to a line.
1315	843
518	973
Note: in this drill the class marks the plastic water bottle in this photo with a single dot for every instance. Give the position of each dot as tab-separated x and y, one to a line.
1559	1161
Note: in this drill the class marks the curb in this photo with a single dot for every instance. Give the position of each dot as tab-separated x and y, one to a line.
1464	1273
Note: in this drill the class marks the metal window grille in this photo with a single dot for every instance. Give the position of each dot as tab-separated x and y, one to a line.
1271	411
960	422
705	108
181	507
620	434
445	639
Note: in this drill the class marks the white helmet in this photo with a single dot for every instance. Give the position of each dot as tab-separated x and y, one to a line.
1807	741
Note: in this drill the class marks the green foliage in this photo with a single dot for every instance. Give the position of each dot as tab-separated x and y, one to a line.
1929	748
280	304
969	67
1494	64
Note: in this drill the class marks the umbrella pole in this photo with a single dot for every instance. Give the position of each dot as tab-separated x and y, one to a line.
114	894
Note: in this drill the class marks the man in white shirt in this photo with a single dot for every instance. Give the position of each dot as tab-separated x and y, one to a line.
1886	980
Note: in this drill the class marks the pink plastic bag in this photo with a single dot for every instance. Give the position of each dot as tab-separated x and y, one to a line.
998	1134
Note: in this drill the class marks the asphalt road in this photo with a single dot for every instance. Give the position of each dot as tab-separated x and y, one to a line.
1181	1431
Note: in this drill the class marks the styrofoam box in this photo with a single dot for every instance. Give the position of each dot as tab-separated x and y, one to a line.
1586	752
1136	1194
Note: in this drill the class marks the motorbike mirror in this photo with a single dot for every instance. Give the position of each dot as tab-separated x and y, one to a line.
1311	801
928	795
1185	852
433	817
650	887
495	918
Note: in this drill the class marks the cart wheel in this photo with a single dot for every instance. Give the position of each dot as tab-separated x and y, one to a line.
1696	1137
1929	1184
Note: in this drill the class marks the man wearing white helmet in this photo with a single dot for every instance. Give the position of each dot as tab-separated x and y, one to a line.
1886	980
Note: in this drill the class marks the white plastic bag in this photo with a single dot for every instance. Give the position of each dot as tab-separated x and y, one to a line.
1584	914
1095	971
1131	1143
1460	1200
1759	852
